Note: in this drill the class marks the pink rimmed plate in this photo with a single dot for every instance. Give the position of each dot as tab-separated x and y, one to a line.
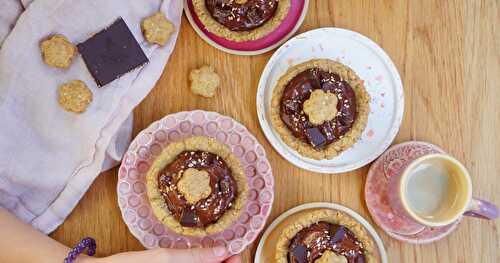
290	25
132	195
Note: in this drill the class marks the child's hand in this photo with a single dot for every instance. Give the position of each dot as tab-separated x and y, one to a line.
195	255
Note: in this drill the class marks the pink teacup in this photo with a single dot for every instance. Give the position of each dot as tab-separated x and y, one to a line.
436	190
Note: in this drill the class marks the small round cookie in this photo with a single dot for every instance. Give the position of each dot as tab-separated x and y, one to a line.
241	20
57	51
204	81
157	29
325	235
197	187
320	108
74	96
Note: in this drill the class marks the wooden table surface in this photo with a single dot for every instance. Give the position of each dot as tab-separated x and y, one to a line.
448	55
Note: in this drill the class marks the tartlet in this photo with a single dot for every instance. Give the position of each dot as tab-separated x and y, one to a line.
197	187
302	92
241	20
324	235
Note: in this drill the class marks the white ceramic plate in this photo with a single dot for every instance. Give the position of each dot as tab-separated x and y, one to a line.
356	216
370	62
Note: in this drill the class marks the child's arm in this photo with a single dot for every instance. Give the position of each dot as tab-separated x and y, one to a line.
20	243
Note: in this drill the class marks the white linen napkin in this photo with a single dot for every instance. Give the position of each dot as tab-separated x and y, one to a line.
49	157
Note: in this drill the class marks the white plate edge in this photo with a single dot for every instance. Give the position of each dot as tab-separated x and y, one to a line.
334	206
279	145
200	33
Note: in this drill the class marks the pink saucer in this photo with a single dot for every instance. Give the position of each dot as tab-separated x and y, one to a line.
132	195
291	23
394	223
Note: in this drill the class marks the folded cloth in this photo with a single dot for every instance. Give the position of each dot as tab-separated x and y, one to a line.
49	157
10	11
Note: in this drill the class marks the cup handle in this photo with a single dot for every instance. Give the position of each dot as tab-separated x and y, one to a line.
482	209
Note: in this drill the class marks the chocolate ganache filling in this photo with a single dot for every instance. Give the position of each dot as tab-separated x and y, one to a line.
241	15
205	211
299	89
310	243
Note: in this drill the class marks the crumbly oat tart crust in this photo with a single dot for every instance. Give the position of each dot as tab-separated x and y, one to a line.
169	153
362	102
330	216
218	29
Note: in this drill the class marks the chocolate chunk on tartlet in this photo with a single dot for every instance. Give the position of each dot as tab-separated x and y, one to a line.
112	53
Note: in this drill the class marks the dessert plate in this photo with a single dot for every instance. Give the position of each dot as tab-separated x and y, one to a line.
371	64
131	188
396	225
260	255
290	25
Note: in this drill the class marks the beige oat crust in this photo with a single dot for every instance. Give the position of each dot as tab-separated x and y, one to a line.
204	81
157	29
57	51
74	96
220	30
331	216
362	103
169	153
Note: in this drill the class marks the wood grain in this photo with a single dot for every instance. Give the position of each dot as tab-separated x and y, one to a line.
448	55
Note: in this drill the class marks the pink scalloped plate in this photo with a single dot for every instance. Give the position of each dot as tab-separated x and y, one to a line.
132	195
393	222
290	25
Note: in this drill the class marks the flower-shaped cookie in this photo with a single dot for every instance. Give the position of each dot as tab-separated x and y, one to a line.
157	29
321	107
57	51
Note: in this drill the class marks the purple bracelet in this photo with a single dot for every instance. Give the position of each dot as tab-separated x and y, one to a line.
87	242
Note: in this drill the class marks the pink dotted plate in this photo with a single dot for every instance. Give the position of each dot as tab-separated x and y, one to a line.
132	195
290	25
393	222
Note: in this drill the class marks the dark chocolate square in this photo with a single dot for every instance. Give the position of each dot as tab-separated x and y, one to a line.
316	138
112	53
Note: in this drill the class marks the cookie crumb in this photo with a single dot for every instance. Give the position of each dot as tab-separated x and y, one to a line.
194	185
75	96
321	107
57	51
157	29
204	81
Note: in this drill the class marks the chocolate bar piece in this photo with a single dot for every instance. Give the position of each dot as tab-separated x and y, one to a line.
316	138
112	53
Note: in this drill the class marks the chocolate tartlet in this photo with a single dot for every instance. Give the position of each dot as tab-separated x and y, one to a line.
241	20
197	187
320	108
325	235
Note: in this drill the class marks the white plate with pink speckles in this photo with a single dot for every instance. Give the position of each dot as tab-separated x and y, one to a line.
370	62
132	195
